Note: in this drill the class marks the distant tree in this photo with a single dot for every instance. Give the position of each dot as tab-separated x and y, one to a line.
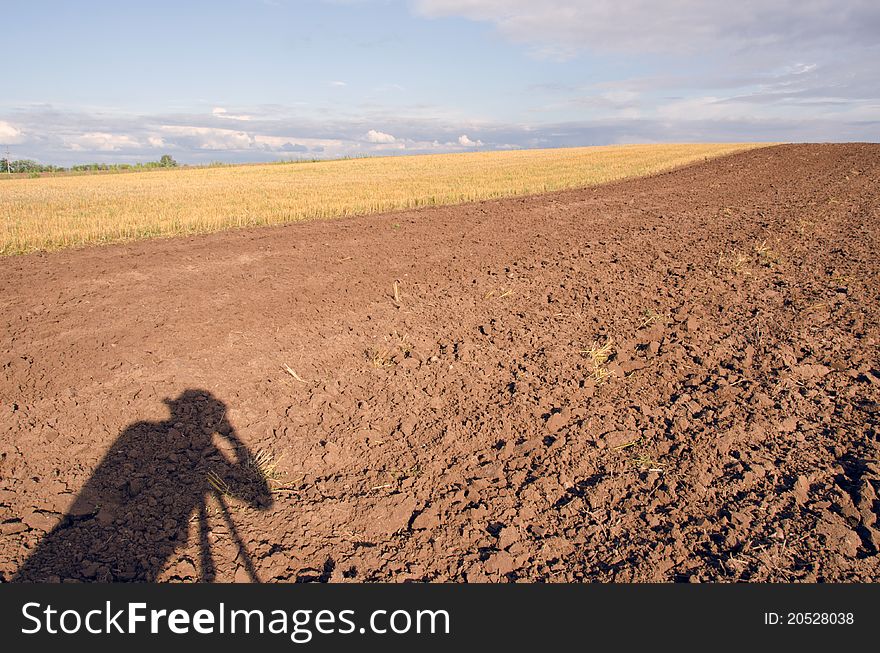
24	166
167	162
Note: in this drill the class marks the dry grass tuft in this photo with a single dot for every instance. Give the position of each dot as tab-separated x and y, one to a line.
498	294
767	256
644	462
263	465
598	356
735	261
651	317
219	484
396	348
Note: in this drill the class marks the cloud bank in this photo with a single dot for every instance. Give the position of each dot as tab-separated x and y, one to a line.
63	137
692	70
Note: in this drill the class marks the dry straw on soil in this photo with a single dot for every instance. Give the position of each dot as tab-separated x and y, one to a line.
56	212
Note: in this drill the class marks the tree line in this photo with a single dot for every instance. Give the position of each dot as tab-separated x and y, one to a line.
28	166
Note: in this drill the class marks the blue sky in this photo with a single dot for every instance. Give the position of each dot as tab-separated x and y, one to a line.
281	79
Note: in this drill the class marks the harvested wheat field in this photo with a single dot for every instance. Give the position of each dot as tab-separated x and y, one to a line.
48	214
673	378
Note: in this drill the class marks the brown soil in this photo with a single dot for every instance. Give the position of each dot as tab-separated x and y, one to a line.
460	431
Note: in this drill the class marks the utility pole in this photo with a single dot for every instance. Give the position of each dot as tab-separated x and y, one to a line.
8	162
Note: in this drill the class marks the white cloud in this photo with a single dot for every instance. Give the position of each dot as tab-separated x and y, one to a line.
10	135
209	138
338	83
101	142
374	136
467	142
190	137
287	145
156	141
802	68
220	112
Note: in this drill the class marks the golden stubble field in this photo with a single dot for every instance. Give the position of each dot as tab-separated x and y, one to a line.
56	212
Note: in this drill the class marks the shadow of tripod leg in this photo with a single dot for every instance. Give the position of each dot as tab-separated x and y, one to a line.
246	558
206	560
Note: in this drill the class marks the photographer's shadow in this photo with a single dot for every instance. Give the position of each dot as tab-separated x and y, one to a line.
136	509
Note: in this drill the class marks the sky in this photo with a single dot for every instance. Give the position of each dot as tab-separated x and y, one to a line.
265	80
